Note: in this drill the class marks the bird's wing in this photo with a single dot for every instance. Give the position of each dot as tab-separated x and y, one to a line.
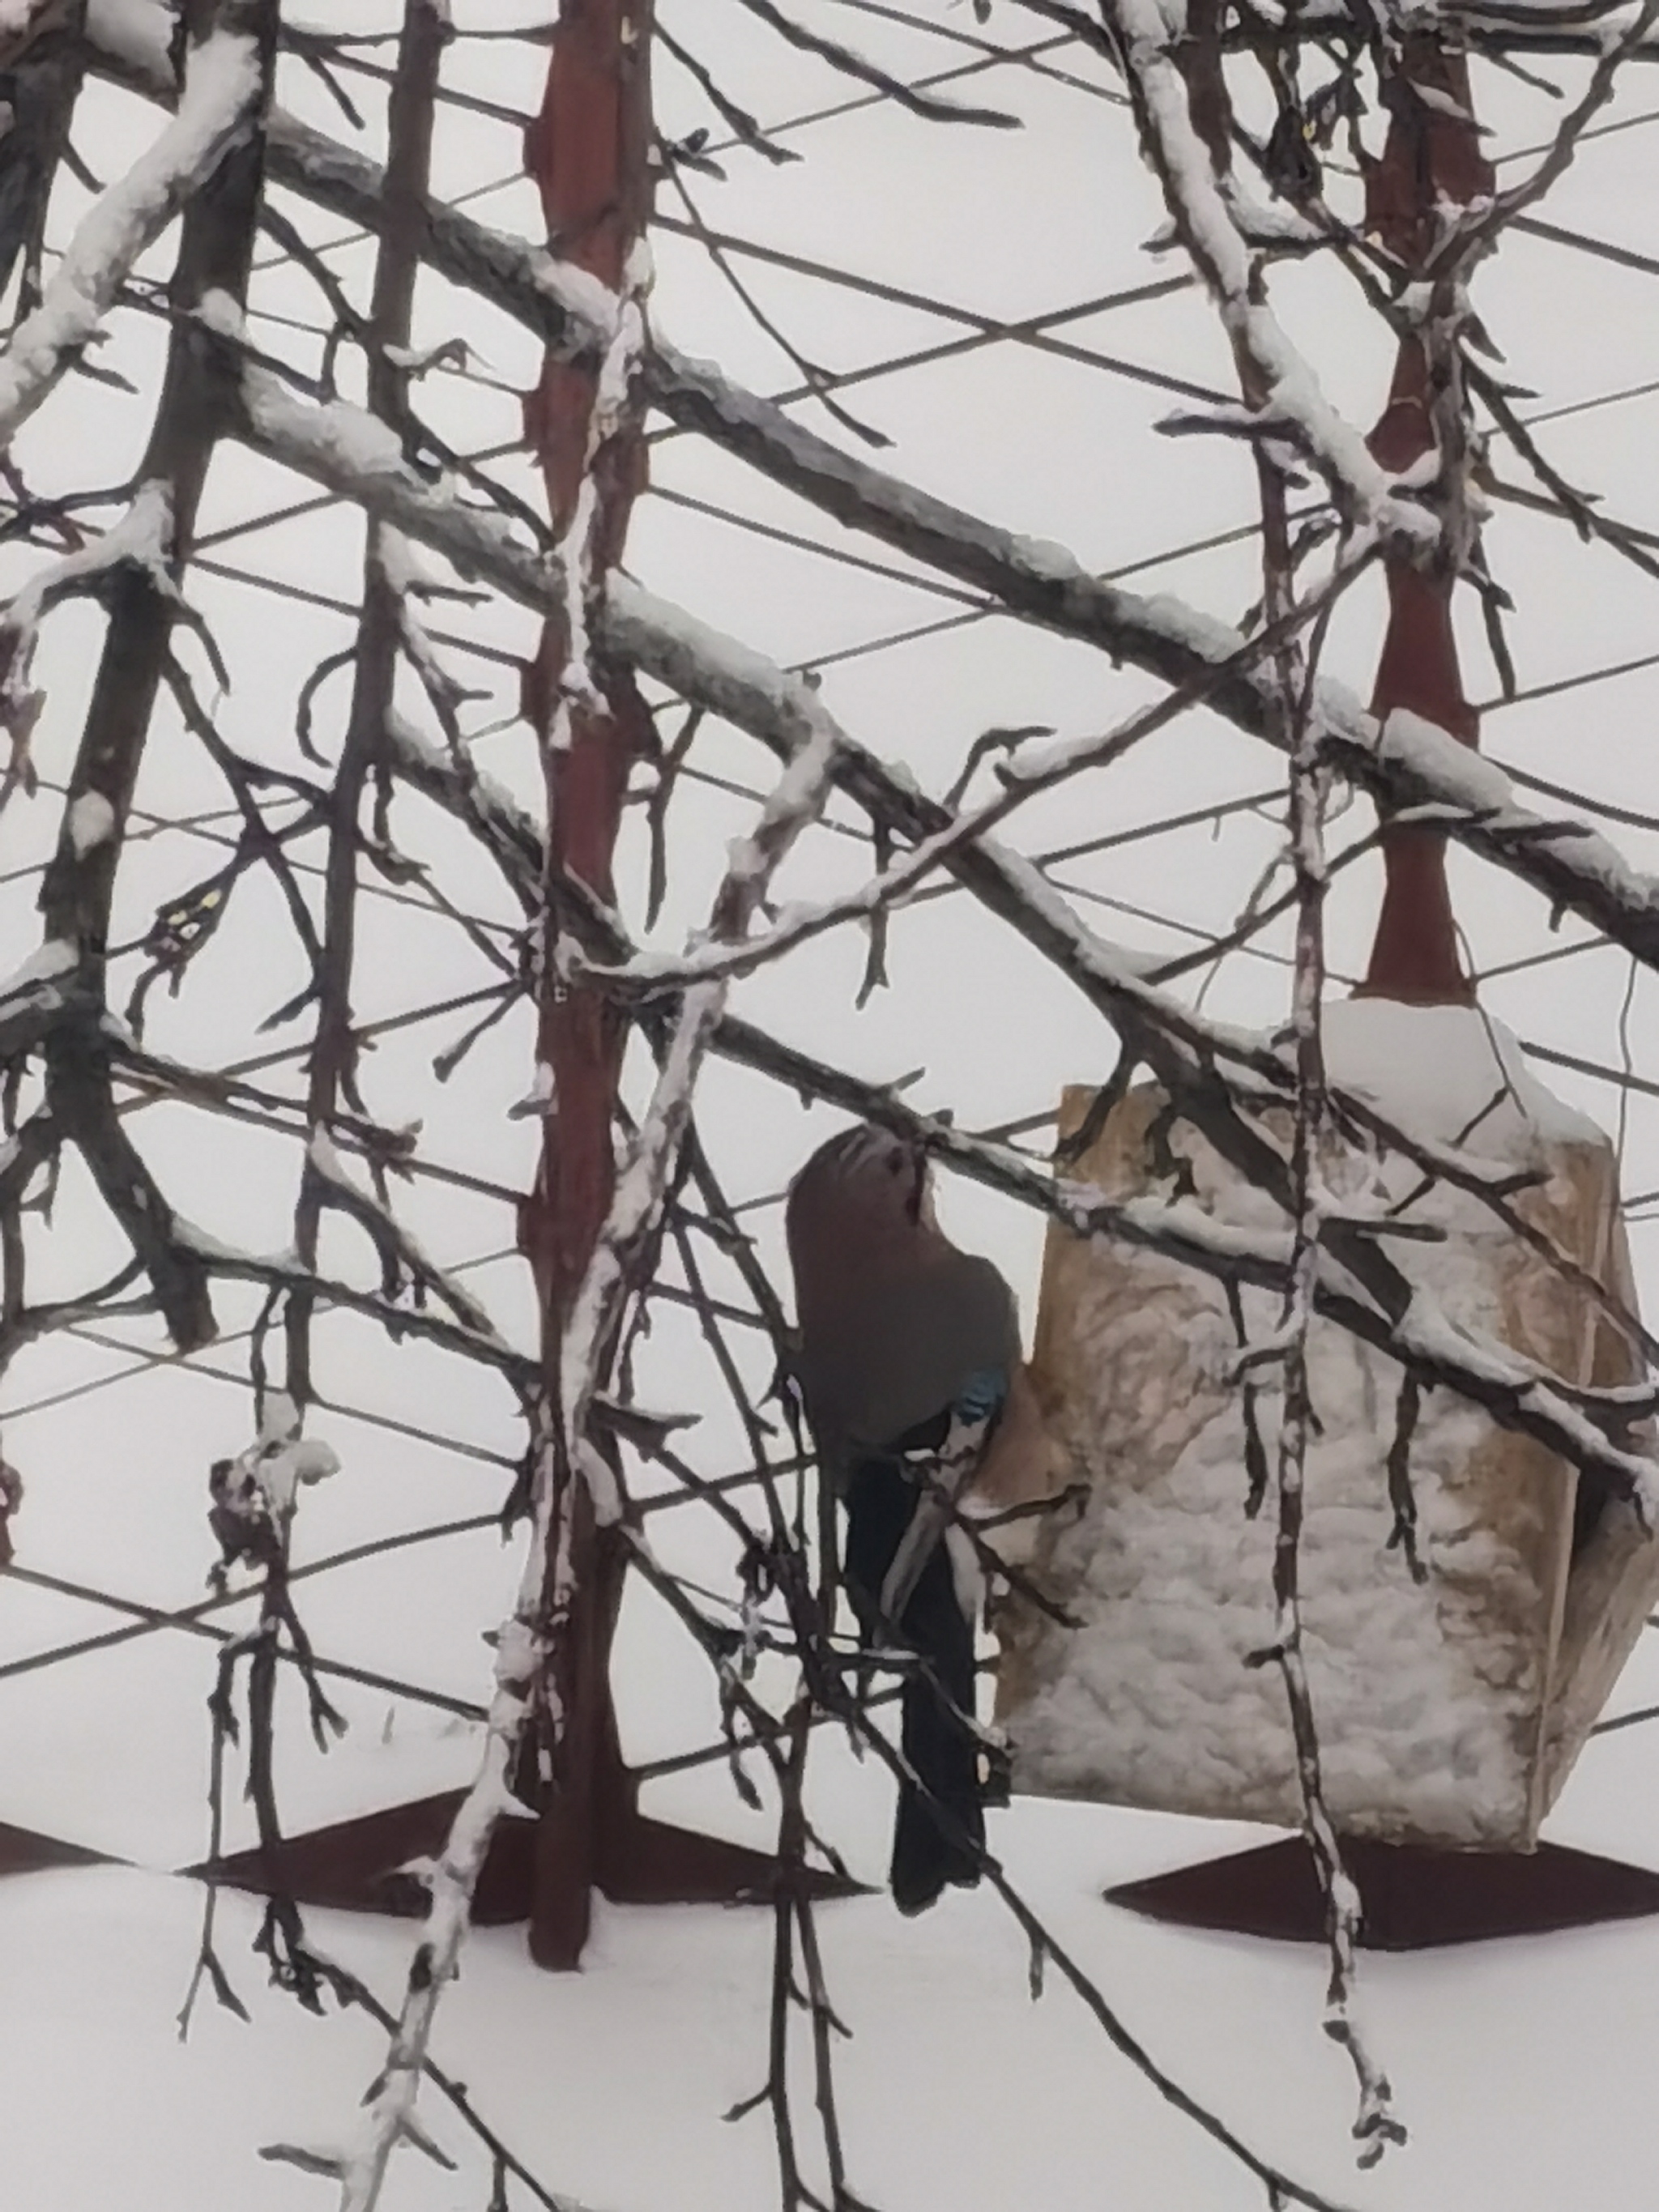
902	1350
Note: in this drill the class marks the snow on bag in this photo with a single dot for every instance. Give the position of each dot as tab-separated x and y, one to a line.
1449	1710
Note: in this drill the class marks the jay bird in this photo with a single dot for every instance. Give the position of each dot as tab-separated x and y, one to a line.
910	1365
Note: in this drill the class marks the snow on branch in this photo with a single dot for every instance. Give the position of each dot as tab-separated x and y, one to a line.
1476	227
39	994
1408	763
141	540
1375	2125
224	83
588	1338
795	803
1517	1394
1037	771
282	1272
327	444
572	311
1405	761
349	451
1284	394
403	1258
1499	27
485	807
390	2118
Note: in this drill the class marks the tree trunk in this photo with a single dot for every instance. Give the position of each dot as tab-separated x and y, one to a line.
1429	154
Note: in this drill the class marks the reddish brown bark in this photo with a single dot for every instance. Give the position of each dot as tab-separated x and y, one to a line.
1428	155
589	152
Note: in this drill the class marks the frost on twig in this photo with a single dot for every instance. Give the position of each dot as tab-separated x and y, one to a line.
224	86
256	1494
141	540
1375	2125
589	1337
1285	397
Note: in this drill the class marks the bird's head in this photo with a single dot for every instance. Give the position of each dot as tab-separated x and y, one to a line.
866	1187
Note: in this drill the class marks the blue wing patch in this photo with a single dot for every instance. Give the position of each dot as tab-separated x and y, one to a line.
980	1395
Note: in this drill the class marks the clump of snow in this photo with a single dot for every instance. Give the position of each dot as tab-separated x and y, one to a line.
56	956
1044	557
91	822
326	1157
206	1246
1451	1075
136	32
264	1480
1451	771
36	985
140	537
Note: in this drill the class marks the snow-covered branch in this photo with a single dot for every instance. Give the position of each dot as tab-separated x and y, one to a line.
1403	762
1516	1393
140	540
349	451
401	1254
224	86
1036	771
795	803
588	1336
1499	27
384	625
1283	396
486	808
1623	43
1374	2125
46	989
391	2118
571	311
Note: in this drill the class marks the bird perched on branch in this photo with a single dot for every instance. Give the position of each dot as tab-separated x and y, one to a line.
909	1363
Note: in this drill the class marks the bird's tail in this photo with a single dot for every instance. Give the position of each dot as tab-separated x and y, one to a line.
934	1850
931	1849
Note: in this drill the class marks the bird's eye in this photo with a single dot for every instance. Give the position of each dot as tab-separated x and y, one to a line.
897	1163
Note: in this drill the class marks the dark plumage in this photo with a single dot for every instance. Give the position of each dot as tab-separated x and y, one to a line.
907	1346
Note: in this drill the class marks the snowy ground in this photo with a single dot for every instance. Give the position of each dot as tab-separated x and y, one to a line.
611	2086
